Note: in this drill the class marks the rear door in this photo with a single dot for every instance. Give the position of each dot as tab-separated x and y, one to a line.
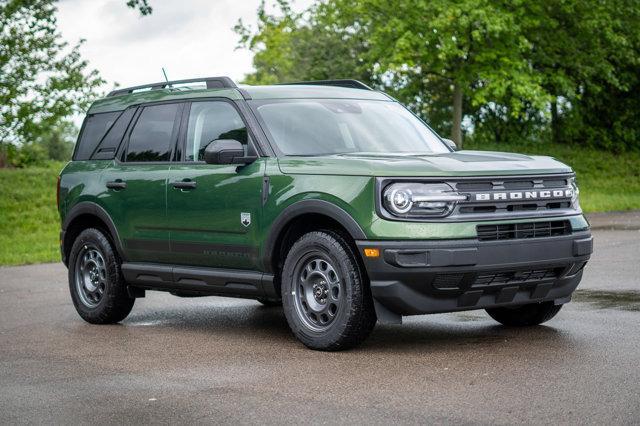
214	210
136	184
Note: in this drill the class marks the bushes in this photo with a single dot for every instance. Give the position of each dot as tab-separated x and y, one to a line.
55	144
29	155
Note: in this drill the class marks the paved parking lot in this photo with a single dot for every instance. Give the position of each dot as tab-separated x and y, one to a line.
208	360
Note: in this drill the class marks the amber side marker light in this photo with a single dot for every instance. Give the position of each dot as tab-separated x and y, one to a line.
372	252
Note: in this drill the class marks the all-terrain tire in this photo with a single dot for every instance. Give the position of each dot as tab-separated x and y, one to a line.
333	272
525	315
94	265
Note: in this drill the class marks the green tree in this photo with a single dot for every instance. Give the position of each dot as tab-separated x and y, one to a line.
59	141
432	54
142	5
291	46
512	70
588	54
43	79
476	49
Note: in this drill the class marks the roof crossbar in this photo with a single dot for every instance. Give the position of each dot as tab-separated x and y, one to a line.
352	84
211	82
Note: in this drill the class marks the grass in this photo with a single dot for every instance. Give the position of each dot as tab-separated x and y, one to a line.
607	181
29	222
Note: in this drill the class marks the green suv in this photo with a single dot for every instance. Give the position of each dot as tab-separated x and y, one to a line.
327	197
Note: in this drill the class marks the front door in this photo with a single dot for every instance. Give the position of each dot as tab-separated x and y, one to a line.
214	210
136	185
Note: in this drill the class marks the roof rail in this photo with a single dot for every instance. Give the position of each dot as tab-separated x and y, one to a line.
211	82
352	84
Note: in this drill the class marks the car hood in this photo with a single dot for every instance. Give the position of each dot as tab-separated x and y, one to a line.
461	163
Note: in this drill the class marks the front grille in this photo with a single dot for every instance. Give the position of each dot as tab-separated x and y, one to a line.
515	277
447	281
514	196
523	230
501	197
496	279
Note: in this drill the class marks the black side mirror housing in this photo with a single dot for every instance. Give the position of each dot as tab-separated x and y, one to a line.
451	144
226	151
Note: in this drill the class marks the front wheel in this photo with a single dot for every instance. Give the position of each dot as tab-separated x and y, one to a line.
525	315
325	296
96	283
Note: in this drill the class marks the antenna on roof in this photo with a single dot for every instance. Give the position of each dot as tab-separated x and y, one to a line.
165	75
211	82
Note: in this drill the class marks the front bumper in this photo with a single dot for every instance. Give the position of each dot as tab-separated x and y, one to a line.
422	277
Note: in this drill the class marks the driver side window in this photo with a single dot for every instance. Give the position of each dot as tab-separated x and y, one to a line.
209	121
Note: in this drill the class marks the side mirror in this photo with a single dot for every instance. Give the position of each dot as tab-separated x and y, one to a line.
226	151
451	144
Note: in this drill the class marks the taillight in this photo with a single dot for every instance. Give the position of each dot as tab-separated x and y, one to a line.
58	193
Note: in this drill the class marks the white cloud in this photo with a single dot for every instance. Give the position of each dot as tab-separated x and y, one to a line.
189	38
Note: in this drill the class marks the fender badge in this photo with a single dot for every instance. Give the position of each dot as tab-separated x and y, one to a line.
245	219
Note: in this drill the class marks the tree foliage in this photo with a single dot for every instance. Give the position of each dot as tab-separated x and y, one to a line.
43	82
293	46
142	6
564	70
43	79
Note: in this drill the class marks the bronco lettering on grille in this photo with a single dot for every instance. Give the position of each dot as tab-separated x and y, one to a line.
524	195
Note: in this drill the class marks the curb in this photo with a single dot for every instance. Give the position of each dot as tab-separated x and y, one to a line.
615	221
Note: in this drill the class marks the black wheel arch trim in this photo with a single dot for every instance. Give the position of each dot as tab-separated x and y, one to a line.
300	208
91	208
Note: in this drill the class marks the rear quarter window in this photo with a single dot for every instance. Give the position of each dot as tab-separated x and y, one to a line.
93	130
107	148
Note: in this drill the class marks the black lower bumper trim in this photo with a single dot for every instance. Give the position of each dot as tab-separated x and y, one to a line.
419	277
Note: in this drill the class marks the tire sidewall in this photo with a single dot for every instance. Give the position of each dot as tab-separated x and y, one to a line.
315	243
114	289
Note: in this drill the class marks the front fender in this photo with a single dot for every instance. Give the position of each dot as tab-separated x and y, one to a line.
300	208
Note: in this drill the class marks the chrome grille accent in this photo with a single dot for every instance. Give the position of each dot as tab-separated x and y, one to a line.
481	194
487	207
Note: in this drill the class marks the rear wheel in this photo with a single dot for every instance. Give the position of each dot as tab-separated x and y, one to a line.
525	315
326	300
96	283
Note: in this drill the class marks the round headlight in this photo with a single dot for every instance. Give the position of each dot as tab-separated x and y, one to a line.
414	200
400	200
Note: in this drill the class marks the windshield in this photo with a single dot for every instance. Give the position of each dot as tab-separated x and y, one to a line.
344	126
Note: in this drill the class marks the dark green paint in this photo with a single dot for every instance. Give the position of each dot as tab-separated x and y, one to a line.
202	226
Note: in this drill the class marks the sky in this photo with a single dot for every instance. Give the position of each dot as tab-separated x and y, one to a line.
189	38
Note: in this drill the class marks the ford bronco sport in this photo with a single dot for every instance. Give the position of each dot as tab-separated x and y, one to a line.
327	197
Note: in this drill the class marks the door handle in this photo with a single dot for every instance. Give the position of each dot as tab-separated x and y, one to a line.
185	184
116	184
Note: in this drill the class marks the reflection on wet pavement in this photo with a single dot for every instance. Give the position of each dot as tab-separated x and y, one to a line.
623	300
470	316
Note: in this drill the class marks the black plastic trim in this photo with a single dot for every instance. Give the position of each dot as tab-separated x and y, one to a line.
304	207
90	208
348	83
403	279
266	189
197	280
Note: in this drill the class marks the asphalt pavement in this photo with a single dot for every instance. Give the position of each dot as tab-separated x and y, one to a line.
223	361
